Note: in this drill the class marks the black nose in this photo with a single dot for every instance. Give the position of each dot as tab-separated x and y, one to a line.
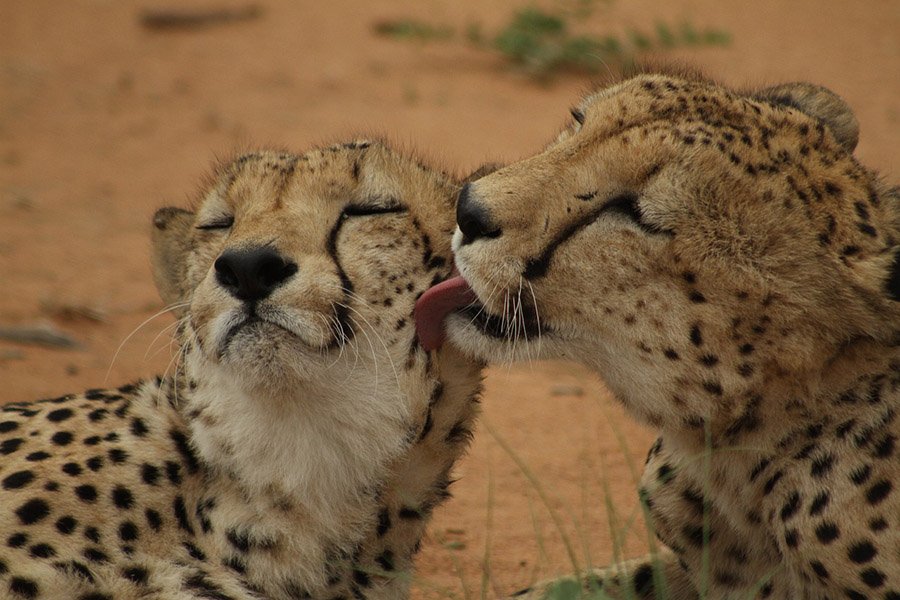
250	274
473	218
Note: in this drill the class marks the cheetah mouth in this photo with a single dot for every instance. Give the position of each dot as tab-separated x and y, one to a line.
456	296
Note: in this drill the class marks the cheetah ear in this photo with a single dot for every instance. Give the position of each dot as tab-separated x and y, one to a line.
820	103
482	171
171	243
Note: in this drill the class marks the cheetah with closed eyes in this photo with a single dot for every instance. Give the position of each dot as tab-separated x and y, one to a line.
727	266
305	437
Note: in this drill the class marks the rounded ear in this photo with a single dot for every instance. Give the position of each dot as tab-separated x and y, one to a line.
820	103
171	243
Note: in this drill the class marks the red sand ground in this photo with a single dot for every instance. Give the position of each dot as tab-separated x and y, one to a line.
102	121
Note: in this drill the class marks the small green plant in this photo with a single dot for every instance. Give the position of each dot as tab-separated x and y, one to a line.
540	42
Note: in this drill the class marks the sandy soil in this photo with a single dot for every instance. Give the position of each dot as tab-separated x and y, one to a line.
102	121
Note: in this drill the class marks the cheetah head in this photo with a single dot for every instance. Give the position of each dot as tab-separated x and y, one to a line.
298	271
687	241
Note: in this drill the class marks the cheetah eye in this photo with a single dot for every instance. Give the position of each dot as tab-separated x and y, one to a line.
578	115
219	222
627	206
365	210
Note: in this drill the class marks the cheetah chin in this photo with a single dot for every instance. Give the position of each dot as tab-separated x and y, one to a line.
732	272
305	436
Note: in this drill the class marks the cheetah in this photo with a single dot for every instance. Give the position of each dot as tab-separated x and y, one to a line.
305	436
725	264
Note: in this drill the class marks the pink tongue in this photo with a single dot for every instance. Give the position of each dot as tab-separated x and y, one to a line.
435	304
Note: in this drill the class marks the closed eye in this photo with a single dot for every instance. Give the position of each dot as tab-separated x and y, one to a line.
364	210
220	222
627	206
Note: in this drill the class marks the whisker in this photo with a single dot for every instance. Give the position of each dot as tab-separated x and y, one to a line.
166	309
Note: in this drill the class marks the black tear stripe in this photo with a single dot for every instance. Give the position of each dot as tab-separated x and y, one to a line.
341	327
623	204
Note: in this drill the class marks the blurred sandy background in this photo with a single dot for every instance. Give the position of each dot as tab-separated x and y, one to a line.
103	119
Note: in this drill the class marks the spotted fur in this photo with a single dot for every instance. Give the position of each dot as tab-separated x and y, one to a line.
304	438
727	266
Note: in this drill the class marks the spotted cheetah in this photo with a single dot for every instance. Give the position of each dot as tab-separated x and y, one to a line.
304	437
732	272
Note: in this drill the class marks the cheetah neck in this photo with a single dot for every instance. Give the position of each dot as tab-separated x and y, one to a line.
324	448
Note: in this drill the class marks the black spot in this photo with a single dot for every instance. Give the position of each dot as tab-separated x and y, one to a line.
694	535
97	414
117	455
181	515
173	472
60	414
122	497
184	448
95	596
24	588
409	513
135	574
827	532
239	540
33	511
791	538
872	577
709	360
193	551
384	522
62	438
772	481
86	493
819	569
17	480
92	534
861	474
696	297
819	503
154	520
862	552
696	335
11	445
71	468
670	354
7	426
893	281
138	427
386	560
149	474
66	525
878	492
92	440
94	463
42	551
790	507
17	540
235	564
822	465
713	387
95	555
878	524
128	531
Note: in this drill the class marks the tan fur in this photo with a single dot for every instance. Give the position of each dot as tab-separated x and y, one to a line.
298	456
742	300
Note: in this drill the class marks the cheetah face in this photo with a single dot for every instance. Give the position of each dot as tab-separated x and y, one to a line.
684	240
302	268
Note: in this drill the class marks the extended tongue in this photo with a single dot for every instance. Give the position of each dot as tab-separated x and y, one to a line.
435	304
